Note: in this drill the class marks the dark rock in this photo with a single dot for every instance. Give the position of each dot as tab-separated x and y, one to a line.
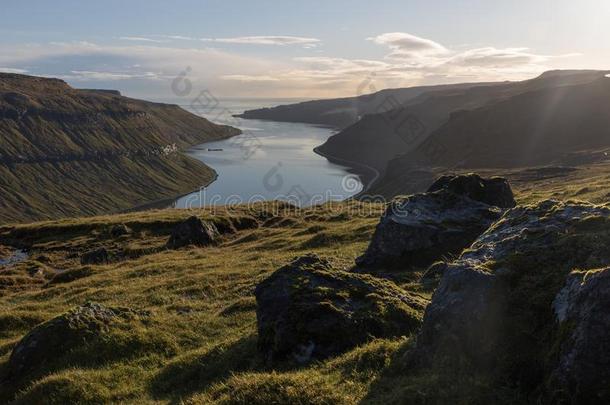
493	309
119	230
97	256
193	231
493	191
434	272
52	339
308	310
422	228
583	372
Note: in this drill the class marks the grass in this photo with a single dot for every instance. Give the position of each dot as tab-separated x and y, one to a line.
199	343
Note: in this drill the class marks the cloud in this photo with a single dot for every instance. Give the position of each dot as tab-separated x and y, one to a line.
12	70
497	58
265	40
87	75
150	68
250	78
408	46
142	39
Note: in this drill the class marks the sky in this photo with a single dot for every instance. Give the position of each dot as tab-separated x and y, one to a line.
297	49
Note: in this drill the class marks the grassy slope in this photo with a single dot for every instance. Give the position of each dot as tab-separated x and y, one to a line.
67	152
200	345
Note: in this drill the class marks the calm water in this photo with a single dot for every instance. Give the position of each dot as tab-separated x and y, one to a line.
270	160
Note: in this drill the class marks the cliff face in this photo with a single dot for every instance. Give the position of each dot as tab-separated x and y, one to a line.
66	152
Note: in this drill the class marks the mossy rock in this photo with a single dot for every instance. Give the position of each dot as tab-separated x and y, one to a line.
583	366
308	310
417	230
193	231
493	310
52	339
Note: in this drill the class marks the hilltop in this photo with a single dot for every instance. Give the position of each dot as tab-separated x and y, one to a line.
66	152
156	323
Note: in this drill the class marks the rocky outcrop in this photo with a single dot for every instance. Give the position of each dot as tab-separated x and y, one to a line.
96	256
581	308
307	310
495	307
119	230
419	229
54	338
493	191
193	231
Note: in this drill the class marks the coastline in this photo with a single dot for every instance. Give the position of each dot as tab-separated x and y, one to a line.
368	175
166	203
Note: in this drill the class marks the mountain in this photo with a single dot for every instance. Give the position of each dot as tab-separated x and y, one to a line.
564	125
66	152
342	112
378	138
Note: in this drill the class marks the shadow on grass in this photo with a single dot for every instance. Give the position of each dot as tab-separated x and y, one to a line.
194	372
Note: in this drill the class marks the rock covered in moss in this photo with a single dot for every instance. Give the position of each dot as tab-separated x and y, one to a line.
493	309
422	228
119	230
582	309
493	191
96	256
193	231
307	310
52	339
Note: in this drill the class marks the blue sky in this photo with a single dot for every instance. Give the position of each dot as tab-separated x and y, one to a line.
303	49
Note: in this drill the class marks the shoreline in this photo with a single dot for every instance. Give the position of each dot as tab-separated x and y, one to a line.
166	203
368	175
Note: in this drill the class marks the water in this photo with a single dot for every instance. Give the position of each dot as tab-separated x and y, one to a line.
16	257
269	161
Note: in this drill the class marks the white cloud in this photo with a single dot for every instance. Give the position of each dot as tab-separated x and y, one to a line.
265	40
231	74
408	46
142	39
12	70
87	75
497	58
250	78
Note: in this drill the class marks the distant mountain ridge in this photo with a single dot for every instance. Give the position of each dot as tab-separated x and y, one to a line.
390	141
65	151
342	112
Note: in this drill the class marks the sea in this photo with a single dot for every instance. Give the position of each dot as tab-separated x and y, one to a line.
268	161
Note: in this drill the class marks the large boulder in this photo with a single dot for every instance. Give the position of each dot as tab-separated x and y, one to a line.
422	228
494	309
307	310
54	338
193	231
582	309
493	191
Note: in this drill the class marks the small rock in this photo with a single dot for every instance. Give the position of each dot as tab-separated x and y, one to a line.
97	256
193	231
119	230
308	310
